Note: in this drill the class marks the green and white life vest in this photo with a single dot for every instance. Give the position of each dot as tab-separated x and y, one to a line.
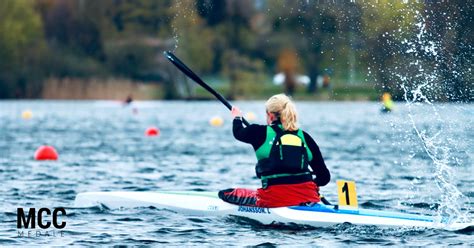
283	158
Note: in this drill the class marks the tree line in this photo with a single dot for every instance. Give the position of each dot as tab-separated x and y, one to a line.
241	40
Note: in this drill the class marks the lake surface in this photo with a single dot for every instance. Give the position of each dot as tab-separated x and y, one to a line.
417	159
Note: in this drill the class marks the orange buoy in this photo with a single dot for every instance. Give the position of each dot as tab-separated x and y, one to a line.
152	131
46	153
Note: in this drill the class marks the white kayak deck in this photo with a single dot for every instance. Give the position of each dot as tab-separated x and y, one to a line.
208	204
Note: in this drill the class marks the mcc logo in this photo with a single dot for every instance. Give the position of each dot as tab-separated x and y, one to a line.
43	218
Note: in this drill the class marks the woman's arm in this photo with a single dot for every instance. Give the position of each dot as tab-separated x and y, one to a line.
253	134
317	164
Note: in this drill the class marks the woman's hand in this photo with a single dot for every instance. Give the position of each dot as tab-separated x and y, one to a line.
236	112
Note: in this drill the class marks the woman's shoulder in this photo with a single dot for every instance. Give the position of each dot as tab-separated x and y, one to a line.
306	134
308	137
257	127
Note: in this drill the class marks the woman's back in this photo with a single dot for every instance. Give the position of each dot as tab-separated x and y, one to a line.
287	159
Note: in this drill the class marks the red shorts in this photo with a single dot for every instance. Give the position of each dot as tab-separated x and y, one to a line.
273	196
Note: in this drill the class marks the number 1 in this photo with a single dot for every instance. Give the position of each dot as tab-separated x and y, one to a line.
345	189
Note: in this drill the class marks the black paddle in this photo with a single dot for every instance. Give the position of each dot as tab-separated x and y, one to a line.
182	67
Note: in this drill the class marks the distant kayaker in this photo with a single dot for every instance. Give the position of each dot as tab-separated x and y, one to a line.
287	159
128	100
387	103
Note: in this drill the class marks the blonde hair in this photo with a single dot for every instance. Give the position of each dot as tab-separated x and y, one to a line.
284	109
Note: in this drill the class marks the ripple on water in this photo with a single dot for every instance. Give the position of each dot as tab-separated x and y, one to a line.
45	177
144	241
129	219
422	205
266	244
372	205
8	241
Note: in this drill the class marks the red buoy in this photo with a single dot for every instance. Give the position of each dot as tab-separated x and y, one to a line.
46	153
152	131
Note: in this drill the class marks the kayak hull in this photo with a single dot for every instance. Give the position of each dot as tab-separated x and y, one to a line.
208	204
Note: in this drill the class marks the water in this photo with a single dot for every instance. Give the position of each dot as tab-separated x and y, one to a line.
102	147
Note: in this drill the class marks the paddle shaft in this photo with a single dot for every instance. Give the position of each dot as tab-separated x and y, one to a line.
182	67
325	201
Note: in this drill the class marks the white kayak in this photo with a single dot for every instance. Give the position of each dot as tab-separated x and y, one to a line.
208	204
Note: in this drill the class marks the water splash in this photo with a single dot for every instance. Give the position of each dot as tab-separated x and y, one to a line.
184	19
420	85
178	7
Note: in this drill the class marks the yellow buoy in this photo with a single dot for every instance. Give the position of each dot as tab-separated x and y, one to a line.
27	114
216	121
250	116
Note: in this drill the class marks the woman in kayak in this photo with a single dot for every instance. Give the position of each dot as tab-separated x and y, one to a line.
287	159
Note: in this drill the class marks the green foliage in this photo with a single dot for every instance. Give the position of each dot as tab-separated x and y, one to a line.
21	45
132	60
78	29
64	63
388	16
20	28
140	16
